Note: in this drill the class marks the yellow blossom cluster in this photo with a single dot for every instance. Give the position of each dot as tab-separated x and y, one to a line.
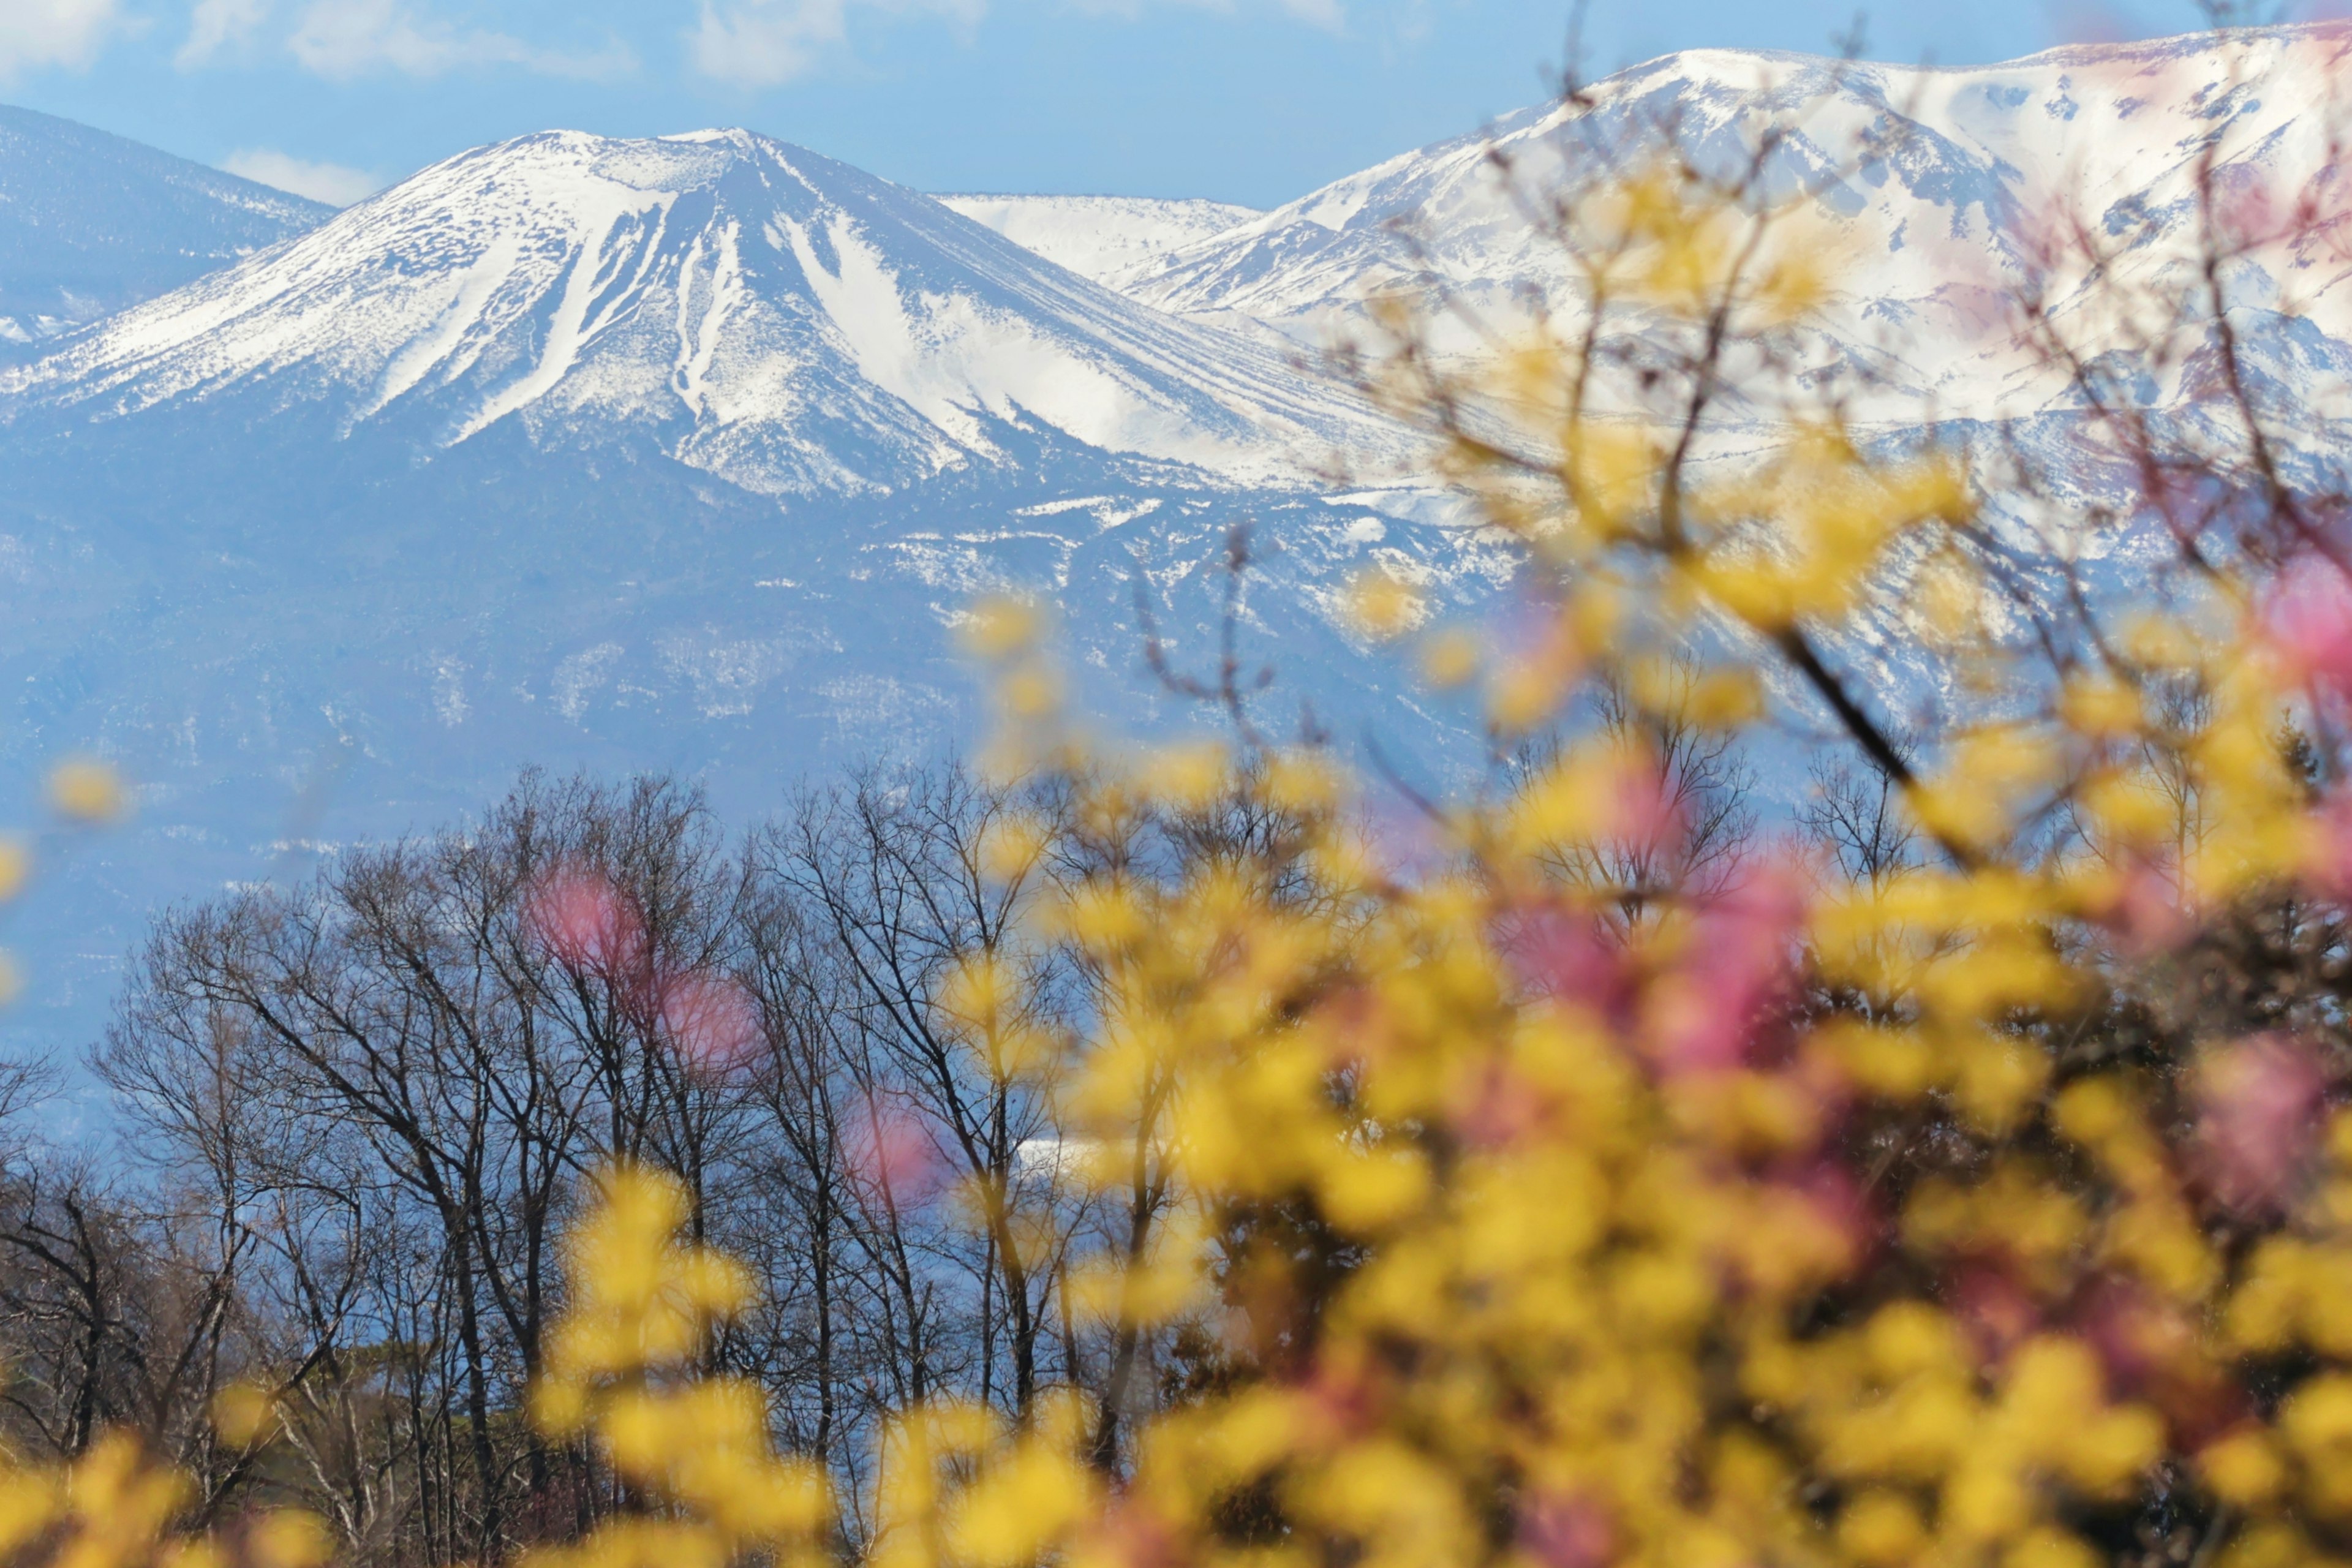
1954	1209
695	1449
114	1506
1781	1229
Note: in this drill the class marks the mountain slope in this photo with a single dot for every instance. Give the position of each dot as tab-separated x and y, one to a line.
1112	239
290	639
772	317
91	223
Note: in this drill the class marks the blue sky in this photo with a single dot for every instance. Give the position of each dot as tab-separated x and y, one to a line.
1248	100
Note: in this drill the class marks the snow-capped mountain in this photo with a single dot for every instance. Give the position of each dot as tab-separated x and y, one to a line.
772	317
91	223
688	453
1935	190
1112	239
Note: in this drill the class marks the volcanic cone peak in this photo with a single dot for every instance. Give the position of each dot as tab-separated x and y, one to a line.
772	316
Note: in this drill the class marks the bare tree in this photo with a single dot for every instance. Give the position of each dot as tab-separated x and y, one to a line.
1685	823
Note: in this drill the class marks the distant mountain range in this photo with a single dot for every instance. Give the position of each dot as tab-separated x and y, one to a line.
689	453
767	316
91	223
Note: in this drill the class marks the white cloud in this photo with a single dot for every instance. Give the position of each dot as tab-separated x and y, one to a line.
766	43
342	38
216	25
329	183
763	43
1323	13
1329	14
38	33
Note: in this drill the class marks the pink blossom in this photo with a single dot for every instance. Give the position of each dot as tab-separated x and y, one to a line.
2145	913
892	1147
1566	1531
2258	1116
1495	1107
1131	1534
2247	212
1337	1400
1999	1313
1643	817
2117	1319
2045	235
2148	1349
581	918
2307	622
1355	1026
1836	1199
1562	953
2329	870
1695	1029
1705	1014
711	1021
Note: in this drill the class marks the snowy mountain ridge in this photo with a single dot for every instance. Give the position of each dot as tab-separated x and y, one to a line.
783	321
1112	239
91	223
1935	190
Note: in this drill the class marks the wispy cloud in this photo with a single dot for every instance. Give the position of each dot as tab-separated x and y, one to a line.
217	25
766	43
334	183
1329	14
35	34
1324	14
344	38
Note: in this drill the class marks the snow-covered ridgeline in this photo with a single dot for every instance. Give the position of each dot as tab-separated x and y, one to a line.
1939	188
1112	239
783	321
91	223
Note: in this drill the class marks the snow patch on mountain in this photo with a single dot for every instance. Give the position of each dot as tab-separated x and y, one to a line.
1112	239
91	223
